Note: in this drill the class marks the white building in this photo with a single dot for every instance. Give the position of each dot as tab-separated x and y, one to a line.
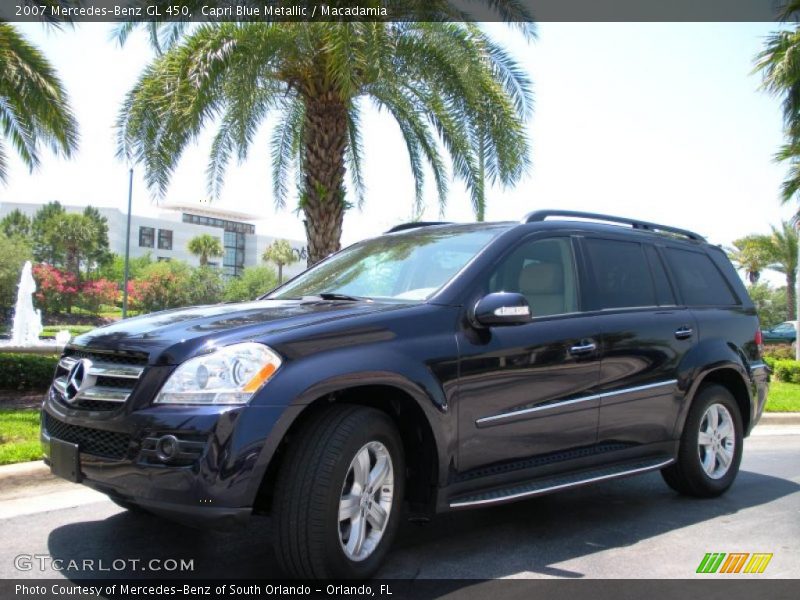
166	236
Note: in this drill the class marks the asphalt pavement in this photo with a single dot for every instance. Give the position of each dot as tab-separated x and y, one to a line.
631	528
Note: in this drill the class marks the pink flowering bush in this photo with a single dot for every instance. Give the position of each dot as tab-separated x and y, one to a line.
95	293
56	290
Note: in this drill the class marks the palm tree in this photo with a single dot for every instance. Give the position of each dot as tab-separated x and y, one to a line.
34	109
752	255
205	246
784	260
448	86
779	65
281	253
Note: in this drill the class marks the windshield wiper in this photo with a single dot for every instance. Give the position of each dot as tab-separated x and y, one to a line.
335	296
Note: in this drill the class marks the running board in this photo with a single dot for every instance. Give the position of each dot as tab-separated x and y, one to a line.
558	482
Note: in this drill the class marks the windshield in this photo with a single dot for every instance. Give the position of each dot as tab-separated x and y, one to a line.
408	267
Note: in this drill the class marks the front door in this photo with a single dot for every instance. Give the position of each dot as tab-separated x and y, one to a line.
526	390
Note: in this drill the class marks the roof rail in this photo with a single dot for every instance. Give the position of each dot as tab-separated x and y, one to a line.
541	215
415	224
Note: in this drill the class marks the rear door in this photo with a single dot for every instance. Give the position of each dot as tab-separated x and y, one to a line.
645	334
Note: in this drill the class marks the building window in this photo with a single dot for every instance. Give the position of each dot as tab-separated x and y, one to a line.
233	258
146	237
236	226
165	239
164	259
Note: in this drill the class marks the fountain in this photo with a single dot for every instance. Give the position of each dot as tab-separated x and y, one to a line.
27	324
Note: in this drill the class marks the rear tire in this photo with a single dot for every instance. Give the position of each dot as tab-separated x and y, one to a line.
711	445
338	495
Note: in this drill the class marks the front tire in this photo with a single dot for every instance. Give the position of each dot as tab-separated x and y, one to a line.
711	446
338	495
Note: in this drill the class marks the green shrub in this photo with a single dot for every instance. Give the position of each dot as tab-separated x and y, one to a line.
22	372
50	331
770	362
787	370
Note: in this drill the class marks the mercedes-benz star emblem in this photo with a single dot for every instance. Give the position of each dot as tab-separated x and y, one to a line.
78	379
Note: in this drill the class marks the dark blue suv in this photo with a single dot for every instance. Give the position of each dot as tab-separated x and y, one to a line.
438	367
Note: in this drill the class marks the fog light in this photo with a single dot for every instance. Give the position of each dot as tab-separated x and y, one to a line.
167	448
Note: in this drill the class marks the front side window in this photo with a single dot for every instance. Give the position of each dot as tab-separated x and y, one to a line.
409	266
544	272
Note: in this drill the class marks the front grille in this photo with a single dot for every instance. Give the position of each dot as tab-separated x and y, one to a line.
99	442
107	383
126	358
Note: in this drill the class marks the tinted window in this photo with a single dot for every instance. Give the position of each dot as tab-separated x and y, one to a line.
544	272
664	294
621	275
699	282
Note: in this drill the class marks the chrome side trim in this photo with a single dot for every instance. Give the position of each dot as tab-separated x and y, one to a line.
561	486
534	409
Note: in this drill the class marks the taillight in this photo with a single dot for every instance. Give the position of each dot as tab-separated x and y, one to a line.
759	340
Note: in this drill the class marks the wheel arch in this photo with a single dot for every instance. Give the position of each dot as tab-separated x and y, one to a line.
732	377
411	411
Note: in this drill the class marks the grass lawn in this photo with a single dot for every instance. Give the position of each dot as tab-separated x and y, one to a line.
783	397
19	436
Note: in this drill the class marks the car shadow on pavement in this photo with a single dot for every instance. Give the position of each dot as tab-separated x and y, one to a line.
486	543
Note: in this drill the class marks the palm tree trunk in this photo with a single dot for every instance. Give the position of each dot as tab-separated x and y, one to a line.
791	295
325	140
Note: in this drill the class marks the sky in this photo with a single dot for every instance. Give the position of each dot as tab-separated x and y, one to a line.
657	121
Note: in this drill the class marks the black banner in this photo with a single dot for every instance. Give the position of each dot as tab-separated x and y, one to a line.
497	589
389	10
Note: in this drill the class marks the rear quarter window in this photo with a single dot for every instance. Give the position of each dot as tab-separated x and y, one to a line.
699	281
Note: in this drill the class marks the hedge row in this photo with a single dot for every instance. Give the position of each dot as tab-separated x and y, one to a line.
785	369
24	372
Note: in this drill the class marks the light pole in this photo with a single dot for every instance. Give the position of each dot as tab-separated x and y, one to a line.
127	247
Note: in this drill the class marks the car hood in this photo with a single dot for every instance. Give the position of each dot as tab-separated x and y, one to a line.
170	337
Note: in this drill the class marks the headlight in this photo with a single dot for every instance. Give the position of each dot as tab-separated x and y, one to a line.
230	375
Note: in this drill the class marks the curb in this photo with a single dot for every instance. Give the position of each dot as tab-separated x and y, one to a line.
27	474
777	418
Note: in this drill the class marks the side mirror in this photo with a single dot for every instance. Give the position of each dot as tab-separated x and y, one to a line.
502	308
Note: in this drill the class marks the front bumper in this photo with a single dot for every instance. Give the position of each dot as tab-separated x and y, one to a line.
216	485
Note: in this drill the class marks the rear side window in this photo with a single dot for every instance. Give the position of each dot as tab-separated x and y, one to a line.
621	275
699	281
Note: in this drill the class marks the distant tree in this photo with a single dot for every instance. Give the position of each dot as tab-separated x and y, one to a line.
13	254
44	221
205	246
114	270
34	109
75	238
98	253
16	224
770	304
751	254
281	253
783	257
162	285
252	283
206	285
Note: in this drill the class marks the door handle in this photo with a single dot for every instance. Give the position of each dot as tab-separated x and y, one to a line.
583	349
683	333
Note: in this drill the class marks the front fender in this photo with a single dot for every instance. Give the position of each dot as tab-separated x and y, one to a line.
333	375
